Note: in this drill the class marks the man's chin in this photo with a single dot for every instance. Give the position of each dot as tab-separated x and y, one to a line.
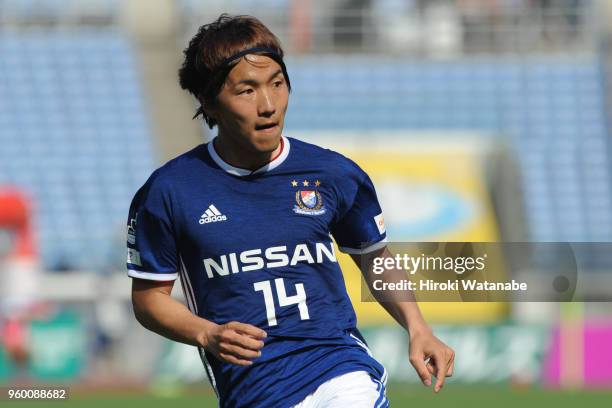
266	143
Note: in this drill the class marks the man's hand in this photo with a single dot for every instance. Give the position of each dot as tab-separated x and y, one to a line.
155	309
234	342
429	356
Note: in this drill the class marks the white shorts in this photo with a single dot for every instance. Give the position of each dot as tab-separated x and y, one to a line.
354	390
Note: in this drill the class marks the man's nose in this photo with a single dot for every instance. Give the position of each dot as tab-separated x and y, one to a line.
265	103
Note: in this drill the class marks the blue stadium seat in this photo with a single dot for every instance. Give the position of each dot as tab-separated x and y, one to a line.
75	101
559	103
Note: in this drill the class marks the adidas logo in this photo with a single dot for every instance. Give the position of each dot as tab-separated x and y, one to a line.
212	215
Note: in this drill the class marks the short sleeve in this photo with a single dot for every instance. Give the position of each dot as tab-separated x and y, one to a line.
359	227
151	245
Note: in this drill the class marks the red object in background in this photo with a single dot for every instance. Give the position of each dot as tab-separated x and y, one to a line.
15	216
300	25
15	339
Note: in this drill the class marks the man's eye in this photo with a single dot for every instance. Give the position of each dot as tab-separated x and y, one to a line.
246	92
278	83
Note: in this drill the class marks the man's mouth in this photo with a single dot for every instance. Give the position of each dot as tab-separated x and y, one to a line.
266	126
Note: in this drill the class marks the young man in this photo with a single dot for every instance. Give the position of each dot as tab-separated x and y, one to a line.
246	222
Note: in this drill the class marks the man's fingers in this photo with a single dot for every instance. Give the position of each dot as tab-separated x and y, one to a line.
441	370
249	329
246	342
430	368
451	366
234	360
240	352
418	363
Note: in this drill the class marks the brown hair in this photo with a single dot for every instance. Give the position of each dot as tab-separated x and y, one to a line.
209	56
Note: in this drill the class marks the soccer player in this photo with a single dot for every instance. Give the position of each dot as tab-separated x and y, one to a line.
246	221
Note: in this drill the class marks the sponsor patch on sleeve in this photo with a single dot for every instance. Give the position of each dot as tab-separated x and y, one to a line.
131	232
133	257
380	223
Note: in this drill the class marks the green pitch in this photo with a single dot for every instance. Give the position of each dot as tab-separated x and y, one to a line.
450	397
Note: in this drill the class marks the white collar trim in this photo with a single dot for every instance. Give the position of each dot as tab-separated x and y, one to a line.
237	171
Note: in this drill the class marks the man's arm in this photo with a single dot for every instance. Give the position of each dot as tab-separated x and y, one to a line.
154	307
428	354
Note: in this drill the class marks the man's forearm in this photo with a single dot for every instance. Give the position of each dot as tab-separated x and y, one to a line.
406	313
401	306
170	318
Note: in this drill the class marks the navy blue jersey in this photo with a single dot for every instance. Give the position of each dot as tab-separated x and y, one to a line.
256	247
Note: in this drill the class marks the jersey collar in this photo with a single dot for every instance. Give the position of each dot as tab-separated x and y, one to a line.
237	171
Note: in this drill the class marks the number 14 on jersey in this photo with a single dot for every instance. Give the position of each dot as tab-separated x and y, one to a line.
283	300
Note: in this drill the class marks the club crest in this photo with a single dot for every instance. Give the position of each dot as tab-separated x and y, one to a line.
308	202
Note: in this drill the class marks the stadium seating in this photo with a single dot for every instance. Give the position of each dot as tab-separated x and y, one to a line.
74	131
552	109
53	11
74	134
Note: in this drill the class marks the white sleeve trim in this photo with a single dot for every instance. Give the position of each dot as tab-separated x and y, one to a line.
152	276
360	251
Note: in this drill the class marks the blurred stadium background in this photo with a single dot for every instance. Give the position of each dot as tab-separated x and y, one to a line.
479	120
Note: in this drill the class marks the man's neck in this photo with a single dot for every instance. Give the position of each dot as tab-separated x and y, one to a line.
237	156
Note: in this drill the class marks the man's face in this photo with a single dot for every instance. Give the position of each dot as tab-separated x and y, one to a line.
251	106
